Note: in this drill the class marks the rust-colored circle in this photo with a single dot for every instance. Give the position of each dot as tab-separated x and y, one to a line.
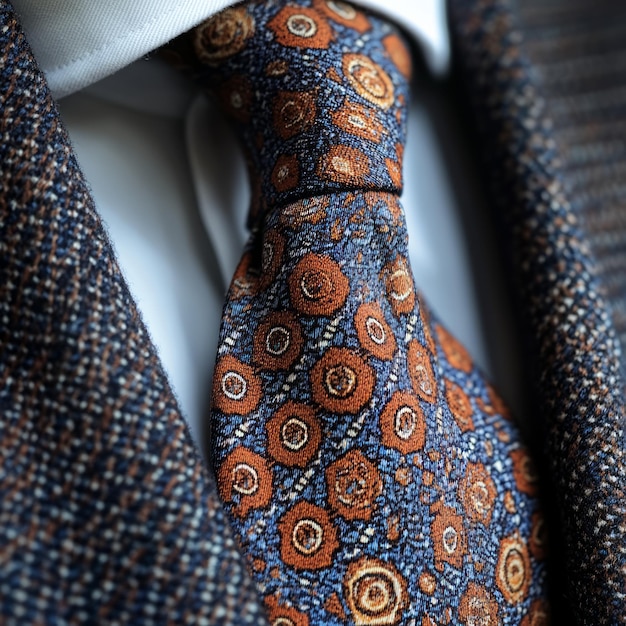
513	572
374	334
477	492
402	423
448	536
524	471
244	480
294	112
344	165
353	483
399	54
294	434
280	614
286	172
343	13
301	27
317	285
375	592
223	35
421	371
460	406
341	381
478	606
368	79
455	352
308	538
277	341
399	286
236	388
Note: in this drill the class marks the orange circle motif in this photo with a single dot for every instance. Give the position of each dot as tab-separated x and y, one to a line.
477	491
448	536
301	27
344	164
236	97
358	120
428	337
394	169
421	371
286	172
343	13
308	210
427	583
308	538
376	593
538	614
353	484
538	536
236	388
399	286
495	404
244	479
244	281
524	471
455	352
477	606
460	406
281	615
317	285
342	382
294	434
513	571
278	67
294	112
398	53
277	341
223	35
373	332
402	423
368	79
271	257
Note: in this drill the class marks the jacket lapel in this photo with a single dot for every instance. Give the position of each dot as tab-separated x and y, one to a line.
107	512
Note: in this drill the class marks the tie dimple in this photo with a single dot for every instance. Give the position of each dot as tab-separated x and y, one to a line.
371	474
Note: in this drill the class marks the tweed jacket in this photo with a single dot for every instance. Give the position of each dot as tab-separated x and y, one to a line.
107	512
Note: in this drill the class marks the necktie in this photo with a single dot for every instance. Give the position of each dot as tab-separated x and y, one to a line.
371	474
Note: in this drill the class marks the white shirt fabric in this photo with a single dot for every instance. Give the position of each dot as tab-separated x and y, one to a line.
78	42
171	186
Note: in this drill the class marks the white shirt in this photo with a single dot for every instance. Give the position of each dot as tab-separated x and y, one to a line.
170	183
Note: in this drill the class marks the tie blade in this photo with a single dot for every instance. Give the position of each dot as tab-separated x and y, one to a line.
358	449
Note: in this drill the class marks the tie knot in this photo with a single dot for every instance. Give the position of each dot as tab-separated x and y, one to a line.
317	91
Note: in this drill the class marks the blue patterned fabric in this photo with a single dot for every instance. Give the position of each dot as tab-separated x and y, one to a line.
371	474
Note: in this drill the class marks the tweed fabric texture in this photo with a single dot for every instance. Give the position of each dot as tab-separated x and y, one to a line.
573	351
107	512
578	57
372	475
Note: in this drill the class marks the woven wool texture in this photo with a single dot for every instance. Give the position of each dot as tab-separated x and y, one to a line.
541	134
107	513
372	475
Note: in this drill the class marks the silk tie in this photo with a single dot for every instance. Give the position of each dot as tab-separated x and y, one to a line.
371	474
